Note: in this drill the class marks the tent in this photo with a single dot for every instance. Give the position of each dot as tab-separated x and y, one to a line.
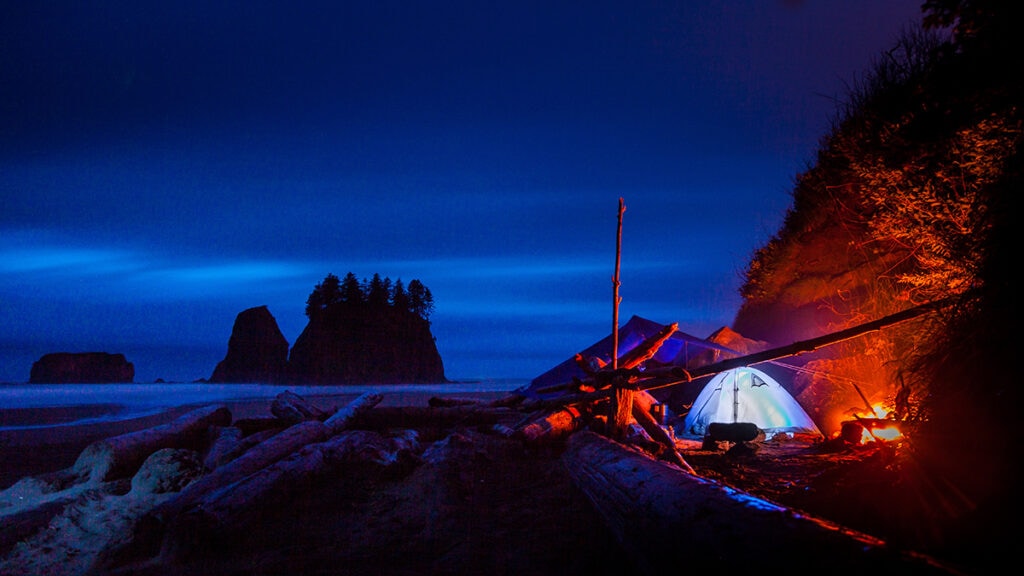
681	349
747	395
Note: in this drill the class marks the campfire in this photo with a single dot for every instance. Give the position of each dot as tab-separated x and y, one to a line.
878	426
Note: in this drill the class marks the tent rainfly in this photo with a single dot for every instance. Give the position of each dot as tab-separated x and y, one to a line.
747	395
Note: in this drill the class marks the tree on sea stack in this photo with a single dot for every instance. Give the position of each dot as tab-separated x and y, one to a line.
374	331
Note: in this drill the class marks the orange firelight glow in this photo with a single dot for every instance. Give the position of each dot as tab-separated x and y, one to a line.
887	433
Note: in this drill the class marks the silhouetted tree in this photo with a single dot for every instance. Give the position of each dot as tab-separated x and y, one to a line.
377	292
399	297
325	294
351	291
421	302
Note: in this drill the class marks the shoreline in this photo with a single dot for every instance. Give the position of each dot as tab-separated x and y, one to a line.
58	441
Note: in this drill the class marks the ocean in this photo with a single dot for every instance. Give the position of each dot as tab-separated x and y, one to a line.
114	402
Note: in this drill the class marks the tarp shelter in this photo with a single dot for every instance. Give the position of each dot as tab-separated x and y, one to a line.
747	395
681	349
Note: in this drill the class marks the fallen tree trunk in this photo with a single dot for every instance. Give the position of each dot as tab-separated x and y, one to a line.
551	426
257	457
343	418
121	456
385	417
292	408
228	511
653	508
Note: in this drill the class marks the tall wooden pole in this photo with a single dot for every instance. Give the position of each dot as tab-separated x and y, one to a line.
621	409
615	289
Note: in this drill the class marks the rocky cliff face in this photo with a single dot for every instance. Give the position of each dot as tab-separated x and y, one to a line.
354	344
257	350
82	368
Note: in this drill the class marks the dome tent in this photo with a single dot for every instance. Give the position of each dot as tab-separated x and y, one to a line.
747	395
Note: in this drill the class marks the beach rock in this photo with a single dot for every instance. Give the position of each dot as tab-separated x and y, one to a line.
82	368
353	344
257	350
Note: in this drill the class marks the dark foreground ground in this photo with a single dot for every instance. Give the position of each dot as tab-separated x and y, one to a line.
492	506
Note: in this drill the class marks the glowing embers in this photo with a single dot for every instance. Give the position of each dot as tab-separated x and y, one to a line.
865	430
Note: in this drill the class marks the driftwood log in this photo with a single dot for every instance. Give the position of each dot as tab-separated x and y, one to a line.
344	417
121	456
552	426
229	510
292	408
257	457
655	509
385	417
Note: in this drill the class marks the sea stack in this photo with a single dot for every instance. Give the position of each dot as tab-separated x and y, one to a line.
257	350
82	368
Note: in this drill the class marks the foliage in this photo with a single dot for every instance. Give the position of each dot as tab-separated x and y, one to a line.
378	292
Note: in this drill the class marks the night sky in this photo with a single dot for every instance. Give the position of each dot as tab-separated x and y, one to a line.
166	165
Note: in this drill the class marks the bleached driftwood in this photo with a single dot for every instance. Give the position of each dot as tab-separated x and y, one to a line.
345	415
226	440
121	456
228	510
652	508
263	454
291	408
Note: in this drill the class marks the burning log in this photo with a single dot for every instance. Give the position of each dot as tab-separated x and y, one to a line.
292	409
120	456
652	507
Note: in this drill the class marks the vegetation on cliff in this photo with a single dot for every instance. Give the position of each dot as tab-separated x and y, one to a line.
371	331
910	199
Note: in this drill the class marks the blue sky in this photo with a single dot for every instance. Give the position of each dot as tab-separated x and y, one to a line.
164	166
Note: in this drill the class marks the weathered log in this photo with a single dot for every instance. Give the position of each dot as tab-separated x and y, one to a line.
620	412
552	426
227	510
225	445
385	417
292	408
256	458
120	456
652	508
508	401
343	418
447	402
